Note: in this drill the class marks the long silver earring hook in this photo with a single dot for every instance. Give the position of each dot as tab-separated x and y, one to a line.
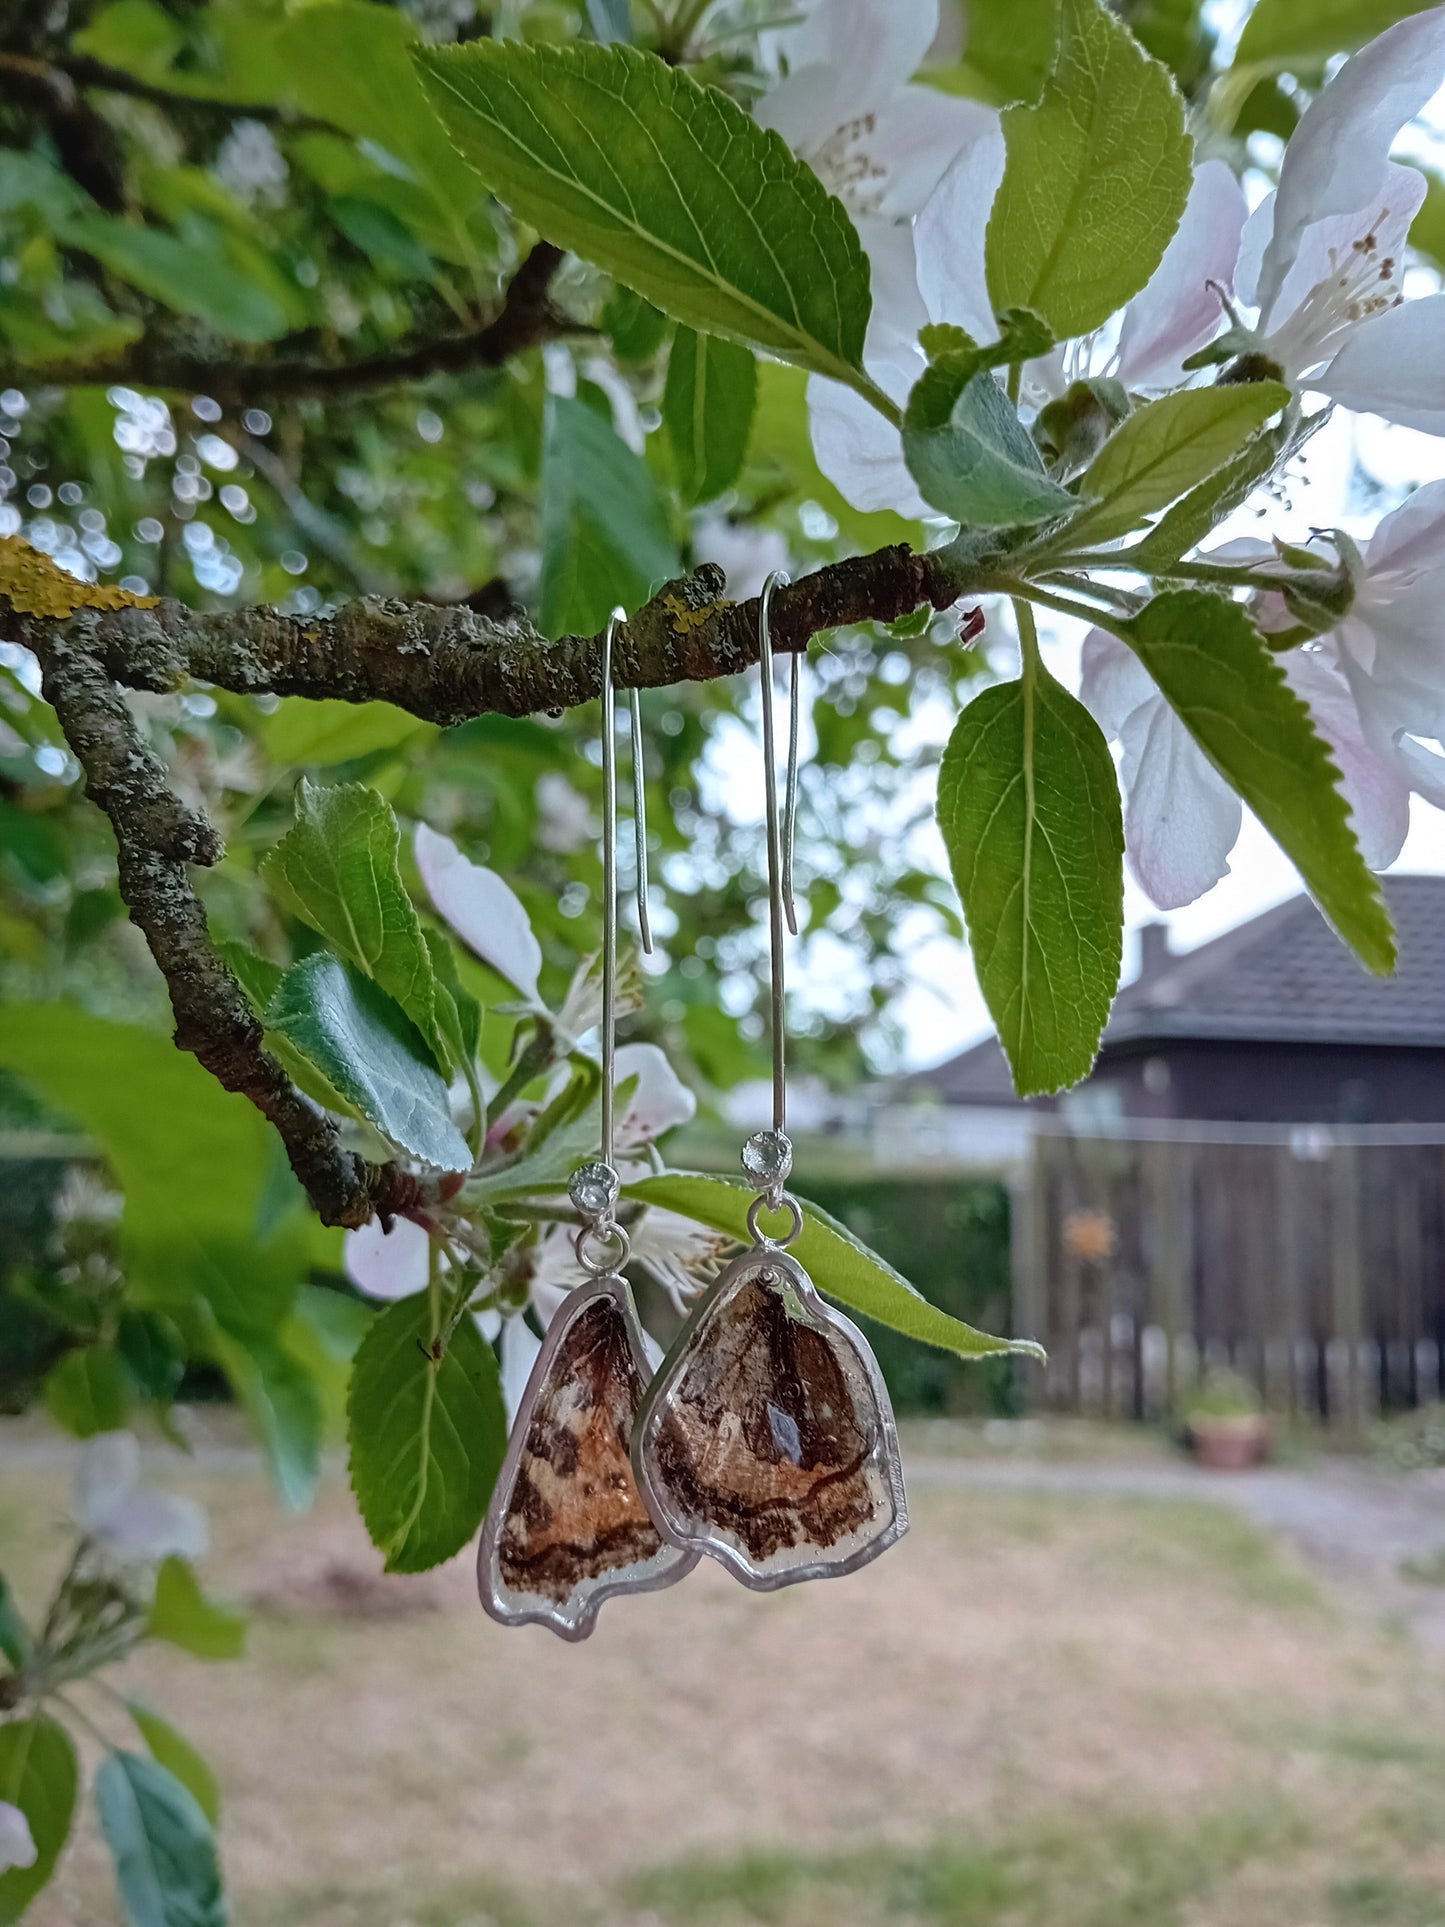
609	883
778	901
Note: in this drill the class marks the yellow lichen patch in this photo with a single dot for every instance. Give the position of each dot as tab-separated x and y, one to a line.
34	586
684	620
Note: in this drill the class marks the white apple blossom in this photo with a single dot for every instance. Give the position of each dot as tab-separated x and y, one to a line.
387	1264
1323	258
485	912
845	104
564	817
17	1842
131	1522
659	1101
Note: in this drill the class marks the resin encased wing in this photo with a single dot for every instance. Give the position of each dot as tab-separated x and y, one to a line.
766	1438
567	1528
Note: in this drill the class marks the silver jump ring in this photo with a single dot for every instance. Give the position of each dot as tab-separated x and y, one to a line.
786	1202
602	1249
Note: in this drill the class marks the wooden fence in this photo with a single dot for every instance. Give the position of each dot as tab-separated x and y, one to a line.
1309	1260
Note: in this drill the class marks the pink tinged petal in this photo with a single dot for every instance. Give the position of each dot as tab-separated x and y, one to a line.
484	911
1374	788
1181	819
1336	158
387	1264
911	143
660	1101
859	452
951	236
148	1526
17	1843
868	48
520	1346
1114	683
1395	366
1179	311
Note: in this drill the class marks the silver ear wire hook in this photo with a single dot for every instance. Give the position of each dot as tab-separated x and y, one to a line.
609	883
639	821
780	904
790	793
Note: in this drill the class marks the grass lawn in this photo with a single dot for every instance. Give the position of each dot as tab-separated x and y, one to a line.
1035	1712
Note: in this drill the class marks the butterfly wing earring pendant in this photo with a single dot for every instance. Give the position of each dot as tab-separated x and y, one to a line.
567	1528
766	1438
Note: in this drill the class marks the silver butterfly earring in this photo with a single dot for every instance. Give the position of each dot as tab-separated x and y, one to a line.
766	1438
566	1528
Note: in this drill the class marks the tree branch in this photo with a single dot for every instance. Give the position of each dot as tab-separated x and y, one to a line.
441	663
525	319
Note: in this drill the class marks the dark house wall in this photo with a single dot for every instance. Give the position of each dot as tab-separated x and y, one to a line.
1277	1083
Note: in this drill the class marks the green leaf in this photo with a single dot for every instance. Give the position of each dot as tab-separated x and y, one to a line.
1095	182
137	36
1009	54
182	1615
1214	669
833	1258
1283	33
1028	804
175	1753
338	870
427	1436
605	533
193	280
194	1161
969	453
40	1775
154	1353
1427	233
669	186
361	1042
458	1012
283	1403
261	979
707	406
1185	526
320	733
637	329
89	1391
162	1845
1165	448
15	1639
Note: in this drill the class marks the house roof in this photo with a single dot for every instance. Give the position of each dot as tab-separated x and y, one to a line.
1283	977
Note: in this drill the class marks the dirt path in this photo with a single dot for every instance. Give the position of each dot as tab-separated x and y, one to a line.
1359	1526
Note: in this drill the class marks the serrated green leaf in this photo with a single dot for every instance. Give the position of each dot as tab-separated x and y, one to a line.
668	185
1028	804
338	869
283	1402
972	458
1230	693
317	734
183	1616
261	979
458	1012
833	1258
39	1774
175	1753
707	407
193	280
162	1845
1279	33
605	533
636	328
1165	448
1095	182
89	1391
427	1436
1008	54
363	1044
1185	526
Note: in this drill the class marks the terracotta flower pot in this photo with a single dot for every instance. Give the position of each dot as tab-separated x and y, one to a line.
1230	1444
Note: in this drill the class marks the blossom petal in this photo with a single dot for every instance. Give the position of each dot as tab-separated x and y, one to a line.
1412	536
17	1842
859	452
109	1466
866	49
1374	788
1336	158
483	910
387	1264
890	352
520	1346
660	1100
1394	365
1113	681
951	232
148	1526
1181	819
912	142
1179	311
